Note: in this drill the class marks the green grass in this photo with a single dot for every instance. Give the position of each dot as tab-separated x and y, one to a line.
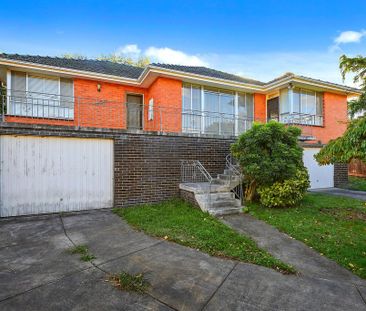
83	251
136	282
334	226
179	222
356	183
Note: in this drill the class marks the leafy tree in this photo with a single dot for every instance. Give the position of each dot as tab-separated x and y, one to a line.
352	145
142	61
268	153
355	65
73	56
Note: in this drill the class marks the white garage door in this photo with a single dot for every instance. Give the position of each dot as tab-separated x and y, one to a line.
320	176
54	174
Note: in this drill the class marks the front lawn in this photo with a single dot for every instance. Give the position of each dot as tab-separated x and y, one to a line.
334	226
356	183
179	222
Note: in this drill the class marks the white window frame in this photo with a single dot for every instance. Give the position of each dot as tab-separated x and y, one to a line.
27	74
235	114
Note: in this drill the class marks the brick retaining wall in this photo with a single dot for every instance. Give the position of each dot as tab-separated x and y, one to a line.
146	165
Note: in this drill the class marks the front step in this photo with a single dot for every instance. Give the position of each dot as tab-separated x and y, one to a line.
225	211
220	201
215	197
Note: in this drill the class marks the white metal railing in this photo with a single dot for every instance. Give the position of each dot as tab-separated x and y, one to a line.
233	167
106	113
301	118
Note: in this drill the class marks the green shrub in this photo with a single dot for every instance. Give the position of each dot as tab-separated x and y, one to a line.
267	153
287	193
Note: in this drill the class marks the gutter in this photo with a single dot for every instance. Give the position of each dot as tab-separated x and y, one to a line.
179	74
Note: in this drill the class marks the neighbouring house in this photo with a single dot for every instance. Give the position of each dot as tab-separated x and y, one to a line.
138	123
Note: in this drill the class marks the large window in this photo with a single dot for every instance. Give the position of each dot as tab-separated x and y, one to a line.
215	111
301	106
41	96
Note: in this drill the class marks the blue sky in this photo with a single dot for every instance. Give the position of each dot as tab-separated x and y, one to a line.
259	39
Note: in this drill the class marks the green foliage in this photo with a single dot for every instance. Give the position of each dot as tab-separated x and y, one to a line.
83	251
181	223
268	153
355	65
332	225
73	56
358	105
140	62
287	193
352	145
130	282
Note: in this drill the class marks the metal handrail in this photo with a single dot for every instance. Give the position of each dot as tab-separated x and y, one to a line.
238	190
192	165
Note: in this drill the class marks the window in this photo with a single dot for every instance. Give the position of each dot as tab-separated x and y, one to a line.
41	96
301	106
214	111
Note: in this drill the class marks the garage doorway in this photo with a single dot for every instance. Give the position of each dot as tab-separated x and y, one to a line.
54	174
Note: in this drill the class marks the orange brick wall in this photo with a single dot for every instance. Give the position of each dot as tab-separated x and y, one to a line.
260	107
335	118
167	95
104	109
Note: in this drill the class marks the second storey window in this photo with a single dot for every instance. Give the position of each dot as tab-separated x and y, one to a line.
301	106
215	111
41	96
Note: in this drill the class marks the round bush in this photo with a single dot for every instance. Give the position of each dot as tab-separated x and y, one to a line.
287	193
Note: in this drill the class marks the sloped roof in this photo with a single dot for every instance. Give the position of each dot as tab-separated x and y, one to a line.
134	72
92	65
208	72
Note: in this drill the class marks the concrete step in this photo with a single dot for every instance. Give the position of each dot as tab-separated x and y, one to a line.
222	196
224	203
227	177
225	211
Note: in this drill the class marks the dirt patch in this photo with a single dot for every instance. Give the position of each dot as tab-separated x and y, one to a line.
345	213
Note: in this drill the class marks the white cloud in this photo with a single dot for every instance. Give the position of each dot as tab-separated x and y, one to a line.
129	50
259	66
345	37
350	37
168	55
161	55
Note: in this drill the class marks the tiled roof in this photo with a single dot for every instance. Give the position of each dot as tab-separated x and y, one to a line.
91	65
208	72
133	72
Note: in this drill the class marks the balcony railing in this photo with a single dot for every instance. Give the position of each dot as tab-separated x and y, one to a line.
301	119
38	108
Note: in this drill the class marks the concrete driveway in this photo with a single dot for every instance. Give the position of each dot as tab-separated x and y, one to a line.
37	272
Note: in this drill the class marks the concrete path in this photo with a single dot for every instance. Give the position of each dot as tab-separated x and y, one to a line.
360	195
37	272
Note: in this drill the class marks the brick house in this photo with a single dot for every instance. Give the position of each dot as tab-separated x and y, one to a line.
162	105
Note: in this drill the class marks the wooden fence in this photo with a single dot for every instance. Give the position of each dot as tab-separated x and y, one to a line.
357	168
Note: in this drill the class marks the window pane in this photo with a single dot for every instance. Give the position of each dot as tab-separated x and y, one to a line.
186	97
196	98
319	104
227	104
284	102
296	101
250	106
212	102
67	92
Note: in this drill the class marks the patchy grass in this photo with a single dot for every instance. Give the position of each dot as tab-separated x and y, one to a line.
179	222
124	281
356	183
83	251
334	226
